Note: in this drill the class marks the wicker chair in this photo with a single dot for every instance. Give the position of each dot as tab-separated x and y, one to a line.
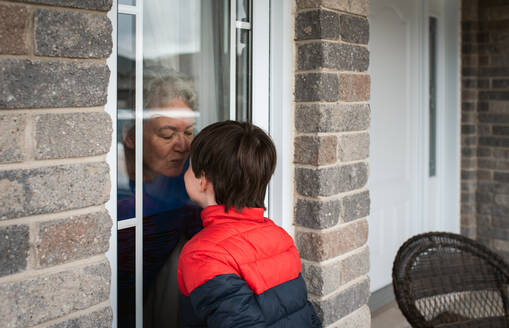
447	280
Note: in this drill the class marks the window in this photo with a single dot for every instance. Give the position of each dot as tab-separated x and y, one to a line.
433	38
181	65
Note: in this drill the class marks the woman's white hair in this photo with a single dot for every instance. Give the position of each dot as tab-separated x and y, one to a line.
162	84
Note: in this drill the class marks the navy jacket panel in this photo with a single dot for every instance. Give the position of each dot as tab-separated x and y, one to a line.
227	301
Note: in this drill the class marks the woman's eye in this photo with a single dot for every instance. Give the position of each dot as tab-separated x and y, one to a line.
168	137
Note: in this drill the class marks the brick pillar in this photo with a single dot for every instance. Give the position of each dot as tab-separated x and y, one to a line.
492	201
332	116
54	181
469	108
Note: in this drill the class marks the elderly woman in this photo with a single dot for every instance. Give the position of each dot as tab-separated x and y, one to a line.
169	216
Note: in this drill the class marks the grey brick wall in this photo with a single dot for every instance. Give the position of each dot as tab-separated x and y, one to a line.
331	147
54	180
485	123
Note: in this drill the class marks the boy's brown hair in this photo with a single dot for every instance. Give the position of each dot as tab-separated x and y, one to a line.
238	158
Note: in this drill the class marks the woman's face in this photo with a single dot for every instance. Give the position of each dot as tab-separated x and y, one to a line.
167	139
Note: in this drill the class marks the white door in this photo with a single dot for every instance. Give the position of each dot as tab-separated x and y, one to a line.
405	197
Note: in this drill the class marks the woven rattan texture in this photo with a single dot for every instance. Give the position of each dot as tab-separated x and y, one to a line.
447	280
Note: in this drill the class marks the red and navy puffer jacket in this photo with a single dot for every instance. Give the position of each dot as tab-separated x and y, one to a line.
242	270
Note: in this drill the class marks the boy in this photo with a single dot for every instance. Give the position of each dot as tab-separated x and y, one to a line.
241	270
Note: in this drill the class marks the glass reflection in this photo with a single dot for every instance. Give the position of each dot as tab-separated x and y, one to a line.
186	59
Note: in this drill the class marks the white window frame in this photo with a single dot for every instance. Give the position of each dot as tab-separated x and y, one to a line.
272	96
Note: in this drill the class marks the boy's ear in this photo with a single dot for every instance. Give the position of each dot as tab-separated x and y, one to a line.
204	183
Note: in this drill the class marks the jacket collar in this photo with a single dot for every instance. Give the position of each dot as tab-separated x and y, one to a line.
215	213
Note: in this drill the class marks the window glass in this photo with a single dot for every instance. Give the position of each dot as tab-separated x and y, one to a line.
186	86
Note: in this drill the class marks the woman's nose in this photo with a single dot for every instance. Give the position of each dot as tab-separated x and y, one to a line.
181	144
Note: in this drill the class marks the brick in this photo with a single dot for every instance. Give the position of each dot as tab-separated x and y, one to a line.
353	147
500	222
359	7
340	56
468	152
494	71
356	206
483	107
39	299
323	279
501	245
468	118
72	34
469	95
502	200
317	24
316	87
315	150
468	175
354	87
331	181
484	130
72	135
469	140
501	83
469	10
14	246
501	107
468	129
494	95
500	60
501	130
469	232
332	117
53	189
12	138
52	83
469	26
316	214
98	319
354	29
482	197
469	49
468	186
468	163
13	30
468	209
102	5
493	187
467	107
343	303
491	233
321	246
360	318
467	220
484	175
469	83
499	153
73	238
484	152
469	71
494	141
471	60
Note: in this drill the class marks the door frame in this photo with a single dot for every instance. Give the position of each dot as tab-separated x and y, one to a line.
272	89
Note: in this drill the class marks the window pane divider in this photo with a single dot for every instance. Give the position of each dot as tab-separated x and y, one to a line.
233	58
243	25
126	9
124	224
139	166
